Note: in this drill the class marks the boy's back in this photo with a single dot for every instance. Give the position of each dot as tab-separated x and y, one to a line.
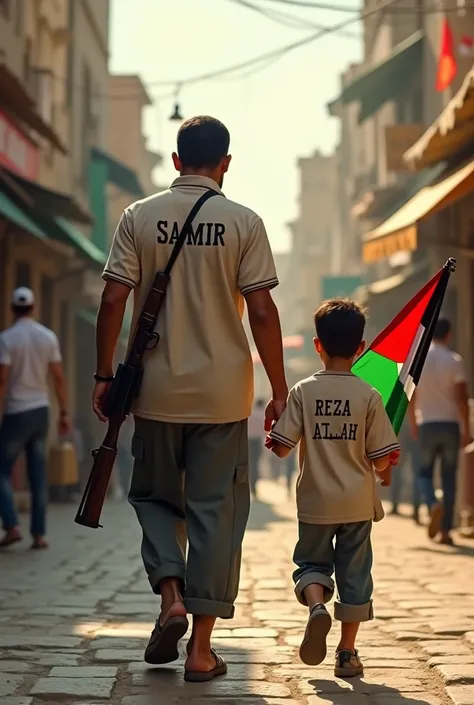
342	425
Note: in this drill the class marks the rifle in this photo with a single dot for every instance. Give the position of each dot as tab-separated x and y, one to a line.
127	381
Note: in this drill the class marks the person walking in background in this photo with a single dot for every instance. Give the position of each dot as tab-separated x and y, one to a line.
256	440
192	410
29	355
409	455
439	414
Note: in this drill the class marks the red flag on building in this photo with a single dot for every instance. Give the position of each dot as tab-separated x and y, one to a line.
447	66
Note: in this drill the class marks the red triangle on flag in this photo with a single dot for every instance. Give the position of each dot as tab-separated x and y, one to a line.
396	340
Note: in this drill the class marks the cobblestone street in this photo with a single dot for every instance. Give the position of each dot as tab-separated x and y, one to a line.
74	621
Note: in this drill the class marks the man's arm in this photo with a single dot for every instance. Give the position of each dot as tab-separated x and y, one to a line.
59	383
4	377
265	324
109	325
462	398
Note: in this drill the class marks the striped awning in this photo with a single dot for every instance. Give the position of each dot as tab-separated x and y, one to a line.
452	133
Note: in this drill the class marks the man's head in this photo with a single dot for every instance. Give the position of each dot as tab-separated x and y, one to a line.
442	331
203	146
340	325
22	302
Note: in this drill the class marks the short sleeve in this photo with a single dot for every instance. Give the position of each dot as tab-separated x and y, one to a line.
380	437
288	430
5	357
55	350
257	267
459	370
123	264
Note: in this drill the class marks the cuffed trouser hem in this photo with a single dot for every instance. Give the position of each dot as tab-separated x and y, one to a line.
209	608
353	613
169	570
314	579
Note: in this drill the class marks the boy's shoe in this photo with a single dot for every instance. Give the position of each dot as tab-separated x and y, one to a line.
348	664
436	516
313	648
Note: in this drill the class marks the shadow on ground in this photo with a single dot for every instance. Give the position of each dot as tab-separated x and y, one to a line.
331	692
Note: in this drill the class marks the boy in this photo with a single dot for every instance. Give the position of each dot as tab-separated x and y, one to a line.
345	436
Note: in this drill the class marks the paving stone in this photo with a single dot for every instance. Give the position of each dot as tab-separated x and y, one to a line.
14	667
445	648
32	642
9	683
160	680
453	660
459	674
118	655
400	699
237	671
17	701
461	694
74	687
118	643
83	672
342	699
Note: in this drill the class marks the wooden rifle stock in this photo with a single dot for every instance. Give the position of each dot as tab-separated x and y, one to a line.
117	404
126	384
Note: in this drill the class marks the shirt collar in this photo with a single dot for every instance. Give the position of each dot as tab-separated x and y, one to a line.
196	181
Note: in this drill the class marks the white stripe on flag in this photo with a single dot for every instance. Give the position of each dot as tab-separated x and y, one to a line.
404	369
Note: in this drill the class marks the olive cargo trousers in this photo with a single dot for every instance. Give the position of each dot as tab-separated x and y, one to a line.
192	481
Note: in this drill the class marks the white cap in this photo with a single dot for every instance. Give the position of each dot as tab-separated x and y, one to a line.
23	297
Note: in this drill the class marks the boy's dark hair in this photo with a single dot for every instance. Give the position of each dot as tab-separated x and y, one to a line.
22	310
442	329
203	141
340	325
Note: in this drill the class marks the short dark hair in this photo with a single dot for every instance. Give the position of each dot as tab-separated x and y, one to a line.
340	325
22	310
442	329
203	141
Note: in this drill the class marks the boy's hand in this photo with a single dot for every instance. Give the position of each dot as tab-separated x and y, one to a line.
269	443
394	457
273	411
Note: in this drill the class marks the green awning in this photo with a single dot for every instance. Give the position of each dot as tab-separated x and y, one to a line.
72	236
119	173
384	80
16	215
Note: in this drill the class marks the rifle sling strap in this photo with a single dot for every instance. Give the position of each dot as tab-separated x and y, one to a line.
186	227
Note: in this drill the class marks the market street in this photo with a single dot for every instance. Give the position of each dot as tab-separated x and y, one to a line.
74	621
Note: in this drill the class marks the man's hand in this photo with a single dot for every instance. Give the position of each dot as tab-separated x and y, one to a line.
98	395
64	424
273	411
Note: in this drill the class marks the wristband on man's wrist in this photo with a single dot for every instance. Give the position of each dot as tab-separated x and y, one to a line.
102	378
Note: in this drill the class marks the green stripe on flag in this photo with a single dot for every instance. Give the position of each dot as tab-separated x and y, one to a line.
397	406
379	372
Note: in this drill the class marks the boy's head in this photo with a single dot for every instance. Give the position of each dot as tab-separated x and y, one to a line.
340	325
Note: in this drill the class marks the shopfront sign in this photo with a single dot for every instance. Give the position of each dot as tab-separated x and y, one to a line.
404	240
17	152
398	139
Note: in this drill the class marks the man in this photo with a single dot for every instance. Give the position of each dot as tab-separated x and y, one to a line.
196	395
440	421
29	354
256	433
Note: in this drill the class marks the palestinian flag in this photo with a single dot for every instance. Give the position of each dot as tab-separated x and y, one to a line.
394	362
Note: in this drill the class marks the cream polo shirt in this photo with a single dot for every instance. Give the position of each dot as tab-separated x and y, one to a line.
201	371
342	425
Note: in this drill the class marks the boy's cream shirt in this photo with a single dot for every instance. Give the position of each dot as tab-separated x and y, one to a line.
342	425
201	371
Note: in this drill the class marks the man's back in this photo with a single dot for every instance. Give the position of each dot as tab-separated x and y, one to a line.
201	371
28	348
436	392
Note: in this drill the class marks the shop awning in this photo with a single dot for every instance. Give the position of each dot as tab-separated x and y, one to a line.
12	212
49	202
119	173
67	233
384	80
399	232
452	133
14	99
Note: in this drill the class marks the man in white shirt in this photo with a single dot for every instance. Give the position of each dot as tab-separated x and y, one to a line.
29	354
440	421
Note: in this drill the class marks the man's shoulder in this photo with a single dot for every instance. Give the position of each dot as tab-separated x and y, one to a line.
43	332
